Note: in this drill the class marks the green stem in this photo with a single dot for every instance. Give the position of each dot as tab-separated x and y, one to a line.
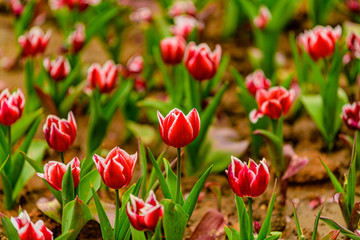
148	235
178	179
250	214
200	94
117	210
62	157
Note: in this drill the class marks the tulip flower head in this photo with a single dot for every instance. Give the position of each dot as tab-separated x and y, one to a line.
116	170
54	173
34	42
80	5
201	63
353	44
28	230
103	78
272	103
262	20
256	81
58	69
181	8
144	215
142	15
134	66
320	42
11	106
178	130
351	115
16	7
248	180
59	133
173	49
77	38
184	25
353	5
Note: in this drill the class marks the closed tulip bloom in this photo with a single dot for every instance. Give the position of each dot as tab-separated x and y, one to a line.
34	42
262	20
256	81
134	66
353	5
248	180
144	215
72	4
59	133
116	170
16	7
353	44
58	69
272	103
11	106
182	7
173	49
178	130
104	77
54	173
77	38
142	15
27	230
320	42
351	115
184	25
201	63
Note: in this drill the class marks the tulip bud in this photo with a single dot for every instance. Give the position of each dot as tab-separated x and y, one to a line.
185	25
134	66
173	49
16	7
103	78
353	5
257	227
28	230
58	69
142	15
80	5
11	106
256	81
77	38
54	173
34	42
182	7
248	180
351	115
178	130
59	133
272	103
262	20
144	215
353	44
117	169
201	63
320	42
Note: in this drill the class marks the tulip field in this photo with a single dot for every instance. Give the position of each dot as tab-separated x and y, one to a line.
179	119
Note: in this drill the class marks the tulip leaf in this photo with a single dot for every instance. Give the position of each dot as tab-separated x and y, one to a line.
336	226
23	124
84	187
265	228
244	220
7	188
216	80
163	184
337	185
191	200
10	230
124	220
274	236
51	208
316	224
164	72
351	179
99	21
67	103
67	187
157	234
137	235
159	162
75	215
118	96
25	18
171	179
174	220
106	229
3	164
298	228
64	236
143	164
3	142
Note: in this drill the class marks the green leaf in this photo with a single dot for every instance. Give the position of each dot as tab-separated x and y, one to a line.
75	215
106	229
298	228
316	224
351	179
244	221
146	132
67	103
84	188
143	165
174	220
337	185
159	162
265	228
10	230
7	188
171	180
25	18
191	200
163	184
137	235
67	187
64	236
51	208
99	21
334	225
23	125
229	233
3	164
157	234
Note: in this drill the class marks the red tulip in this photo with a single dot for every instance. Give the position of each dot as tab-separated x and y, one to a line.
173	49
77	38
27	230
320	42
59	133
353	44
272	103
178	130
134	66
144	215
142	15
72	4
201	63
182	7
139	84
58	69
17	7
54	173
103	78
184	25
262	20
248	180
256	81
353	5
351	115
117	169
34	42
11	106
